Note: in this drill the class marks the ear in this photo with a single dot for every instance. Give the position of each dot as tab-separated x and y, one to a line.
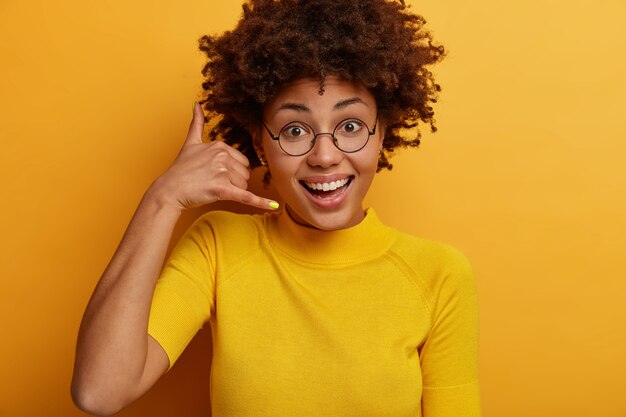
382	128
257	142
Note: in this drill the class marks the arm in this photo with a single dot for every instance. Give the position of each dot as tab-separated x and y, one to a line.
449	357
116	360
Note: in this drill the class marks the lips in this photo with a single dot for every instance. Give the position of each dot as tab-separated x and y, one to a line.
326	188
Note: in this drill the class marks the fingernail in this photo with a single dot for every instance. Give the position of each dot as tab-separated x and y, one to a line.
193	108
273	204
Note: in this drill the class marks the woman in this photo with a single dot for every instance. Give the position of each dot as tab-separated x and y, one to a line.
316	308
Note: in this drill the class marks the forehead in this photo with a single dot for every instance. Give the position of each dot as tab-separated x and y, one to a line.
305	91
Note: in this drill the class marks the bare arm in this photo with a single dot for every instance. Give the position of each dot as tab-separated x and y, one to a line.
116	360
113	341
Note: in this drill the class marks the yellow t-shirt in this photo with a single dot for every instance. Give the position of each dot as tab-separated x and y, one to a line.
364	321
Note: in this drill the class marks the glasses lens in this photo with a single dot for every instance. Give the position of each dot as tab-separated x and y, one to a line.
296	138
351	134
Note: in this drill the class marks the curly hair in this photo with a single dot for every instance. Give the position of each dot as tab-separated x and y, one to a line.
377	42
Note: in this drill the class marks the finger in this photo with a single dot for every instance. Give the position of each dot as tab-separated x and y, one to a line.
241	170
238	156
224	160
237	180
248	198
194	135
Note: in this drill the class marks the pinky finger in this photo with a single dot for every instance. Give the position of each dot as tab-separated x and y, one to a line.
250	199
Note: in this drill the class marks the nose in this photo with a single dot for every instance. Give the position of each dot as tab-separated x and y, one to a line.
324	153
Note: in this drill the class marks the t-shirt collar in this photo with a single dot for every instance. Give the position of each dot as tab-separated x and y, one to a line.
367	240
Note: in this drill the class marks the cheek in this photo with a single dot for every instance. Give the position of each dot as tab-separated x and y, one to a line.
272	157
369	163
282	167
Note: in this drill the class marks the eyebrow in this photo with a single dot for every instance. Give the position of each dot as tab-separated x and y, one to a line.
302	108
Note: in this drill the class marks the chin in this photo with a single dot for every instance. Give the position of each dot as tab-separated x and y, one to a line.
328	220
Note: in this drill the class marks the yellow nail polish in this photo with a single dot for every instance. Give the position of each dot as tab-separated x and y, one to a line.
274	205
193	108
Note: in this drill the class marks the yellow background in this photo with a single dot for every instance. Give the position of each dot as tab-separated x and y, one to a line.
526	176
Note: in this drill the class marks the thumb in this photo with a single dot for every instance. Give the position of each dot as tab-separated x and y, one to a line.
197	125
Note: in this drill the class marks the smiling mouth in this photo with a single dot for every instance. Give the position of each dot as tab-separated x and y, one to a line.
327	190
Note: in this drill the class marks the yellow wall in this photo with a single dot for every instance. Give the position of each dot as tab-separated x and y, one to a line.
526	176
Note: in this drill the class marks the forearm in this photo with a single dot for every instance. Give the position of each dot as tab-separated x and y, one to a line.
113	338
112	341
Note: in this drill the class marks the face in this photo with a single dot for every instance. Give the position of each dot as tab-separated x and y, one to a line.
296	178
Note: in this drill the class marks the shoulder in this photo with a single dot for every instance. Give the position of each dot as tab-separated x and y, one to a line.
233	225
220	220
419	250
227	231
436	267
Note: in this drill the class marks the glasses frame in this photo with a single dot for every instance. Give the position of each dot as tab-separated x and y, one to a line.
315	135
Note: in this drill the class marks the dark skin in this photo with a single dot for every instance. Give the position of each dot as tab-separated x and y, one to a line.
377	43
116	360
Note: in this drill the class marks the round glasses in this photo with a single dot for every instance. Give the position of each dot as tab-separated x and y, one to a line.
297	138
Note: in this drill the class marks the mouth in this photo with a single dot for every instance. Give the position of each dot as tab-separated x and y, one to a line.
327	190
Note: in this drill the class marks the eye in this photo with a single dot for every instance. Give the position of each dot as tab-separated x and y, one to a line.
294	131
349	127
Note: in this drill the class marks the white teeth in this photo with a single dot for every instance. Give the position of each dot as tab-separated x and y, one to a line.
327	186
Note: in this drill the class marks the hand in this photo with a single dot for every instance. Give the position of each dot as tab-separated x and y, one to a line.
203	173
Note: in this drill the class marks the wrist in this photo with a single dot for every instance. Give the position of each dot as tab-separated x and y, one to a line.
159	197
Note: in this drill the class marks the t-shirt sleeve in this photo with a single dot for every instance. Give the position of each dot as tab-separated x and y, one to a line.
449	356
184	296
